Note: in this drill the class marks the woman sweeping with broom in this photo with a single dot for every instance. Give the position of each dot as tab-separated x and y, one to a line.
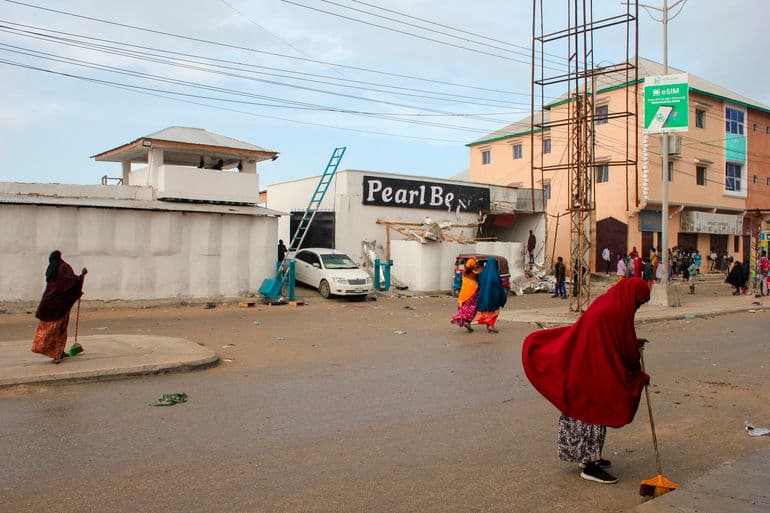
63	288
591	372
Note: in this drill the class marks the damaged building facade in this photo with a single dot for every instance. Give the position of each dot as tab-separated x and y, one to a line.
419	223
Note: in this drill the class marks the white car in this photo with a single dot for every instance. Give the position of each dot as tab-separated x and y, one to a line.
331	272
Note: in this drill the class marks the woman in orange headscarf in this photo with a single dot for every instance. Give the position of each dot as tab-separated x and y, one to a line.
469	296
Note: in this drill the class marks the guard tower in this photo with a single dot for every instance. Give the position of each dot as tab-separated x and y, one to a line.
191	164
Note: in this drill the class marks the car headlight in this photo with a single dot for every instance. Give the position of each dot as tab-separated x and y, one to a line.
340	281
368	281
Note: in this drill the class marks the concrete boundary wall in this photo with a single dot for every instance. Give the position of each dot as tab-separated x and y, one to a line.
136	254
415	264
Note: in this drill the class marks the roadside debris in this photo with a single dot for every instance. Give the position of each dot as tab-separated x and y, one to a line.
755	431
228	360
399	332
209	306
170	400
258	323
247	304
100	328
228	346
410	307
280	339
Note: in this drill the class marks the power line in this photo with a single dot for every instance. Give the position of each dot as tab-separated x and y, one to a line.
149	93
253	50
39	33
447	43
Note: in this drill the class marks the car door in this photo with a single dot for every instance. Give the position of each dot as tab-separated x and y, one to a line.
305	270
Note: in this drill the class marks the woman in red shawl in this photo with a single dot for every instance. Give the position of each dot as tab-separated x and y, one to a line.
63	287
591	372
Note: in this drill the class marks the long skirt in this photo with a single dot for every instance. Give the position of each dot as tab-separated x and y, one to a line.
466	312
580	442
488	318
51	337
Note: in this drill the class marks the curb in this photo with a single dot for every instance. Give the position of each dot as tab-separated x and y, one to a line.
114	374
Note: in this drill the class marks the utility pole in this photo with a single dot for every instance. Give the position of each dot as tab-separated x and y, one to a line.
668	301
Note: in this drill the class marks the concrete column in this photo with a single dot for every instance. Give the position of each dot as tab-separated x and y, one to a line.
126	165
154	162
249	166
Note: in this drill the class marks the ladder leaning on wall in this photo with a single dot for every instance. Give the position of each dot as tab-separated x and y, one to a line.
316	199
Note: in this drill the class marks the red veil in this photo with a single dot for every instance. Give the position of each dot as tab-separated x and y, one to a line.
590	371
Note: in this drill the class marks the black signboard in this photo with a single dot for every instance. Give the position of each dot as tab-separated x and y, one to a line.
394	192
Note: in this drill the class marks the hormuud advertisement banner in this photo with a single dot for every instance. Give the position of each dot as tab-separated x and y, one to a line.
394	192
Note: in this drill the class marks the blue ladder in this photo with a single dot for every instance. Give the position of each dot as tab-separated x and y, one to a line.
316	198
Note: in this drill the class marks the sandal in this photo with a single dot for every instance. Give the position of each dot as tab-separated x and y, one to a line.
467	326
492	330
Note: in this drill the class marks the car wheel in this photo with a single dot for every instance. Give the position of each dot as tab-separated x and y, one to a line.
324	290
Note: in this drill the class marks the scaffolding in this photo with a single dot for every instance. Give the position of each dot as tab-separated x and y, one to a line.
565	58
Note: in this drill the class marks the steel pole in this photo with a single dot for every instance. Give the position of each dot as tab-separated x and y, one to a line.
664	174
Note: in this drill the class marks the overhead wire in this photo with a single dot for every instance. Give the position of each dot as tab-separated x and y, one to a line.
254	50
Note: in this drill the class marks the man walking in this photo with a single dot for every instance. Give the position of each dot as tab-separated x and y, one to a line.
606	256
531	242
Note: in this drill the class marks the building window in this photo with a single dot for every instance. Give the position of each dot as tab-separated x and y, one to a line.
732	177
700	118
736	244
768	180
733	121
546	146
547	191
517	152
755	127
670	171
603	174
602	114
486	157
756	179
767	130
700	175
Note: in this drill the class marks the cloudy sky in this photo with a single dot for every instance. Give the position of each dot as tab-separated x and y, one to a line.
304	76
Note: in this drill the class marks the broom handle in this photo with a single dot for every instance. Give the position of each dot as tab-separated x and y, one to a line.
77	316
652	422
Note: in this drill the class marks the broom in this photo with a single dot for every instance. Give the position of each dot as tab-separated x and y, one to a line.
658	485
77	348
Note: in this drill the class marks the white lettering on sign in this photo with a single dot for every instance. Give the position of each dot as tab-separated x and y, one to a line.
374	187
411	194
435	195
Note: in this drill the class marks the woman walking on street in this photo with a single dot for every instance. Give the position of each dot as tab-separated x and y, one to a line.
621	268
63	288
492	295
591	372
468	298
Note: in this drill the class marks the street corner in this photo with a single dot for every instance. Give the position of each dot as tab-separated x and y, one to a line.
104	357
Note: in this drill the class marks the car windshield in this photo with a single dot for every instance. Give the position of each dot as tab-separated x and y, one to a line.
338	261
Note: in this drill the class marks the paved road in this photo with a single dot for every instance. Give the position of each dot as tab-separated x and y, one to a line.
345	415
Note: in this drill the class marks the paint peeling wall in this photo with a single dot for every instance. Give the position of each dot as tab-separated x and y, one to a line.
136	254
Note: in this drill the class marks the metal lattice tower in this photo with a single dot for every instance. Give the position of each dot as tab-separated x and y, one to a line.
573	48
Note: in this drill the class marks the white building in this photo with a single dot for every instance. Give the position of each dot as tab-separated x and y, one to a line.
382	208
184	225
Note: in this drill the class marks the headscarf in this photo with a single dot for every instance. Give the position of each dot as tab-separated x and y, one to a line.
470	283
54	259
590	371
492	294
61	291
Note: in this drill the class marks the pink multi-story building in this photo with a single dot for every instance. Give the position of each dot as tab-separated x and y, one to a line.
718	169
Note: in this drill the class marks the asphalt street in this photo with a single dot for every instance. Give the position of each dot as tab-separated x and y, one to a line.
328	408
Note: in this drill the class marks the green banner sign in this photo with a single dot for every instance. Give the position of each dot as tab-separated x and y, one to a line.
666	104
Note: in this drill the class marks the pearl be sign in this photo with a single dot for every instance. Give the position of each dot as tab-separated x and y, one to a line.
393	192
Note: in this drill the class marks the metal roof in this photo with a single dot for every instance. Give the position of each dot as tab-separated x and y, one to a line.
133	204
187	145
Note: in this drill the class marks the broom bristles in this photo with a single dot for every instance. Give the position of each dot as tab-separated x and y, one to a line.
656	486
